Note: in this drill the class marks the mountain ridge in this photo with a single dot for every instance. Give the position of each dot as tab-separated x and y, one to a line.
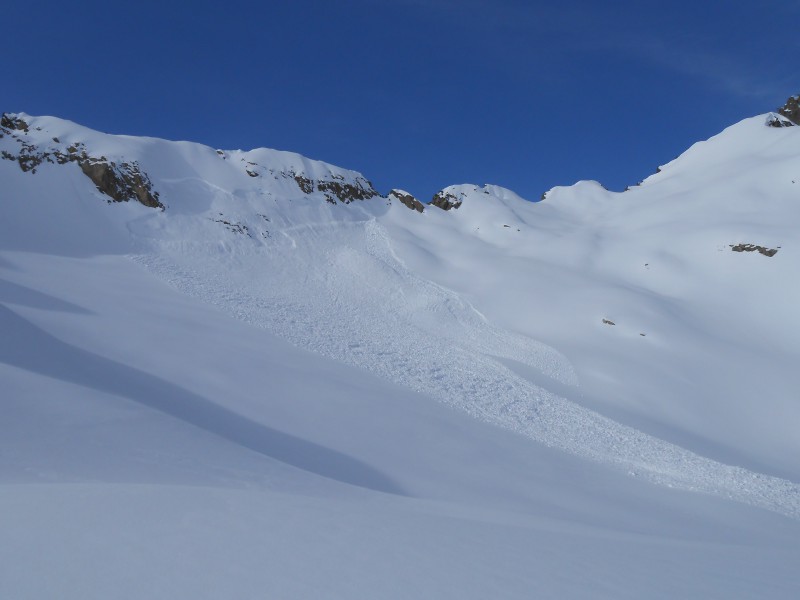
280	367
336	183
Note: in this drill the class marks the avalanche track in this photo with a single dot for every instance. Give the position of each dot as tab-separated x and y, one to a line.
336	287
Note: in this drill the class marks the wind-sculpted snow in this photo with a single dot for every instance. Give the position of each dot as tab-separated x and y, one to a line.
337	288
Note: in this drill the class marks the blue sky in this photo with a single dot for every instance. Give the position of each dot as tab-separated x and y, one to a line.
414	94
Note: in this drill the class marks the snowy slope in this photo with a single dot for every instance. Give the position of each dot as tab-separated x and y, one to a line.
285	385
714	370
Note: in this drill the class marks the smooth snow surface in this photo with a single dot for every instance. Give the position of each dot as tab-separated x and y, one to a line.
258	393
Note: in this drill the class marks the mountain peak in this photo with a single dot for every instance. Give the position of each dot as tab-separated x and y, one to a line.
791	110
122	167
406	199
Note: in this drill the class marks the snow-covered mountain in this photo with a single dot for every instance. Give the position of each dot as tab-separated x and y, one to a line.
249	374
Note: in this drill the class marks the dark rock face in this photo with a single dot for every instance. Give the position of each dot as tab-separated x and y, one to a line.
120	182
13	122
446	200
346	192
304	183
407	200
336	188
778	121
791	110
753	248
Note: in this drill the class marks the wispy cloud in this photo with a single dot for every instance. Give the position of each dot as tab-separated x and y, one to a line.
667	38
732	71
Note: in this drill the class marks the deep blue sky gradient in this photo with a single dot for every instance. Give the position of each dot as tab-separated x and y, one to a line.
414	94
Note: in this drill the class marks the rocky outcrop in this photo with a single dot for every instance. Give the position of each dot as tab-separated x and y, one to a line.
407	199
753	248
121	182
336	188
446	200
361	189
12	122
305	184
776	120
791	110
249	168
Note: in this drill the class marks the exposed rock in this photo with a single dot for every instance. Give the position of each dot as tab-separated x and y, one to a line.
753	248
791	110
776	120
304	183
29	156
249	168
446	200
347	192
336	188
234	227
121	182
13	122
407	199
28	159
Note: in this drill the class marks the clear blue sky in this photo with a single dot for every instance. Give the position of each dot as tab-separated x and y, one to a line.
414	94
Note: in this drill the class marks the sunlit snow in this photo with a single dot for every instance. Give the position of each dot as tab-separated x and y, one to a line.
257	392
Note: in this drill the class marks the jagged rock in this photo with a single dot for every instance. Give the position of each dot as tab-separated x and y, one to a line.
446	200
121	182
791	110
407	199
347	192
304	183
29	156
753	248
336	189
776	120
13	122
